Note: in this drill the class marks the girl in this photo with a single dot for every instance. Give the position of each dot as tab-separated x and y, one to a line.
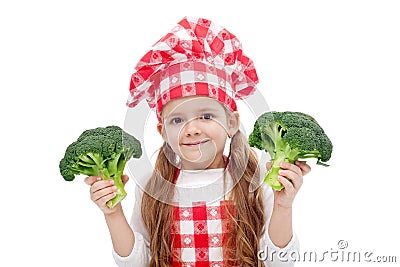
201	207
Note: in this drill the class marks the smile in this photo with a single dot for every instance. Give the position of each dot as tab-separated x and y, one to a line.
194	144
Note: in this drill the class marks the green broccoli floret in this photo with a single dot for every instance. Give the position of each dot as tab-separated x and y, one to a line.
101	152
289	136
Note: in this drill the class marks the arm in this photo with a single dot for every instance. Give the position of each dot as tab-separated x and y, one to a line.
130	248
279	239
122	236
280	226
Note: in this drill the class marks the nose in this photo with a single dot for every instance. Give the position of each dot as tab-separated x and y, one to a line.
191	128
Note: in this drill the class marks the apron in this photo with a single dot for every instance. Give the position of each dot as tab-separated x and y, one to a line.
200	233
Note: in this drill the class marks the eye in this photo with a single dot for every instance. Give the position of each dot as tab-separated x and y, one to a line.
176	120
206	116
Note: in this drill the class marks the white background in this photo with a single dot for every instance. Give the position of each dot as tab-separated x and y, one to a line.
66	66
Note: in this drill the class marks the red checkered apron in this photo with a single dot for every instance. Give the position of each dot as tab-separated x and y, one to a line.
200	233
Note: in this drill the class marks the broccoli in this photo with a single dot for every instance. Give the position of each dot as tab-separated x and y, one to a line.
101	152
289	136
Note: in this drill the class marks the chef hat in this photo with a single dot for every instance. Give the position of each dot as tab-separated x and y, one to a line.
198	57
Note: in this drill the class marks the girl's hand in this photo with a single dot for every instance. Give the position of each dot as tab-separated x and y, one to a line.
101	191
291	177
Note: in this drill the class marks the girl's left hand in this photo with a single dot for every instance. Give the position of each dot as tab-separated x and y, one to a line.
291	177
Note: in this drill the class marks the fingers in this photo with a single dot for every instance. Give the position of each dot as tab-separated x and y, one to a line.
104	195
90	180
291	167
101	185
288	186
304	167
290	178
292	173
102	202
269	165
101	191
125	179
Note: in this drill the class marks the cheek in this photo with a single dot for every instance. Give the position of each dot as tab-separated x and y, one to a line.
173	136
222	141
220	131
219	136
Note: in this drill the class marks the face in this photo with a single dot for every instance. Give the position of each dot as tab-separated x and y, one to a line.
196	128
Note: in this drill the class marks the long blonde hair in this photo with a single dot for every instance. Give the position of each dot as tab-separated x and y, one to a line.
248	217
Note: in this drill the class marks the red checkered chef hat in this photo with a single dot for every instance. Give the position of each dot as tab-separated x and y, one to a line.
198	57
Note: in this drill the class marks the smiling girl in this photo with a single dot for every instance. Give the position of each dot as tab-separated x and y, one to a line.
201	207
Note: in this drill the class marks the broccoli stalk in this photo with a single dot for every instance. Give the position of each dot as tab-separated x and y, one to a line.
101	152
287	137
272	176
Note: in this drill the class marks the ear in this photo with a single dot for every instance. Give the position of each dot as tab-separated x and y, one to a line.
160	129
233	123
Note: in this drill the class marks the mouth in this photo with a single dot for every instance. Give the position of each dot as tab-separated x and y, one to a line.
197	143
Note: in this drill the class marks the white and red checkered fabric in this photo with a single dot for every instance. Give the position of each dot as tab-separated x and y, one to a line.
200	234
193	78
198	57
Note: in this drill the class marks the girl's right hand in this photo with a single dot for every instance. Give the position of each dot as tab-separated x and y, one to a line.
101	191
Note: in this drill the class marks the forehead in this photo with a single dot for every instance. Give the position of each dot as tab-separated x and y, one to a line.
191	103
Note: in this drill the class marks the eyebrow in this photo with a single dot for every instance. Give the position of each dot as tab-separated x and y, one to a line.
200	110
208	109
173	114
